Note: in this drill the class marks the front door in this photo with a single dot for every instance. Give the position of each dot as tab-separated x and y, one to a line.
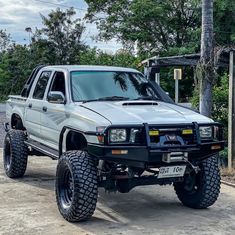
54	115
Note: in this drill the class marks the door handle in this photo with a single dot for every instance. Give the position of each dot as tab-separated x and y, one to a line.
30	105
44	108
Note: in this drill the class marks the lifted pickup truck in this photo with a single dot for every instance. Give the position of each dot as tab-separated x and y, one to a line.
110	127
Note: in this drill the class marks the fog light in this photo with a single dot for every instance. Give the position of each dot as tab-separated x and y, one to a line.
215	147
187	132
119	152
154	133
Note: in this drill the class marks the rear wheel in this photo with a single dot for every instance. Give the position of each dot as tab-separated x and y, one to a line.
76	186
200	190
15	154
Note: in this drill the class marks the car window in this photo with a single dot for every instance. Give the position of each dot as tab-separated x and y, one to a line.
41	85
58	83
87	85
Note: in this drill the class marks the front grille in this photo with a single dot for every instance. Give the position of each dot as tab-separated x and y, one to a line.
173	136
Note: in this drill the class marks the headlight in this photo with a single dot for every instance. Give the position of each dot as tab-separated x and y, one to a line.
205	132
117	135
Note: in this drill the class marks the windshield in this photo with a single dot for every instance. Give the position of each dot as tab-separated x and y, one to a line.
95	85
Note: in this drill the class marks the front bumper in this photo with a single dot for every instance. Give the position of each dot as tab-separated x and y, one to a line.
151	156
152	153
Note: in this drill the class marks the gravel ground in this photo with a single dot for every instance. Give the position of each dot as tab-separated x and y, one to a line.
2	132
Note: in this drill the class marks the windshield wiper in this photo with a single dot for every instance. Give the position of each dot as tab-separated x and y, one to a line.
108	98
147	98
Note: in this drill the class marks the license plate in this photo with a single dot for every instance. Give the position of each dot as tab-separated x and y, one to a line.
171	171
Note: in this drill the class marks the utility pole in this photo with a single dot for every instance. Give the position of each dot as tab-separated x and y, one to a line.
206	66
231	112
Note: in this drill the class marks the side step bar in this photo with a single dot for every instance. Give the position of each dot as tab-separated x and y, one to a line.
43	149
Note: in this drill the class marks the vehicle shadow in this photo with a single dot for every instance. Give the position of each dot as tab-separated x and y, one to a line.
144	209
135	210
40	173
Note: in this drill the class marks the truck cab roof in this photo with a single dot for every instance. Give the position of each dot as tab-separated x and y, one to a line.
71	68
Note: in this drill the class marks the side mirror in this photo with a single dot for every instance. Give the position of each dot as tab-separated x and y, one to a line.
56	97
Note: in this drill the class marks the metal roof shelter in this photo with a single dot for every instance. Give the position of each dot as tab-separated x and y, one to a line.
221	60
224	58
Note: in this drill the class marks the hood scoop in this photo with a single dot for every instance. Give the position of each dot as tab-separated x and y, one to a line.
139	103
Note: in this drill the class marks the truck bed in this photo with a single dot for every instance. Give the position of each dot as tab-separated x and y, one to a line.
16	103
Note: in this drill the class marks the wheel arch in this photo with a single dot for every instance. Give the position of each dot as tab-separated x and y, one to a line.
17	121
72	139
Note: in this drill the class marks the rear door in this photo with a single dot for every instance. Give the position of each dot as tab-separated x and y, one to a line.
34	105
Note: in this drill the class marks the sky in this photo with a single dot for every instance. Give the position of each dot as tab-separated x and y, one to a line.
16	15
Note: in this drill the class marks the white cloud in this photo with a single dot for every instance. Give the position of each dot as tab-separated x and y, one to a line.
16	15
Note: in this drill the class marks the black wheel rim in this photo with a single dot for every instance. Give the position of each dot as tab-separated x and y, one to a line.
66	188
7	154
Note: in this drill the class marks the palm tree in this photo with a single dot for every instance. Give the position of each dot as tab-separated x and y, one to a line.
206	65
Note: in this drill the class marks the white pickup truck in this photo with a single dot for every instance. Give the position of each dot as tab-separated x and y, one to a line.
110	127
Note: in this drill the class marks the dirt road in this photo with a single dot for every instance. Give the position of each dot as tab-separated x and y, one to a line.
27	206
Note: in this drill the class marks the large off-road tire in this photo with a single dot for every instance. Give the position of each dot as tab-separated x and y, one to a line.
15	154
76	186
200	190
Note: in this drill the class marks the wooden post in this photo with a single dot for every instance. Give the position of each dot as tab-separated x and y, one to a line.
231	112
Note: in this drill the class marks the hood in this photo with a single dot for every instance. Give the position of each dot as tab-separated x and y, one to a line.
138	112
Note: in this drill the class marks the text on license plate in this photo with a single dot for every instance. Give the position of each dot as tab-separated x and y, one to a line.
171	171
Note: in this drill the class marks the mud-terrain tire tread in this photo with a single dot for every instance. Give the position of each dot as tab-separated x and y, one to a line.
19	154
210	182
84	173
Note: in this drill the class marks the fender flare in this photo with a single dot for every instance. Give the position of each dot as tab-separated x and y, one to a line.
64	129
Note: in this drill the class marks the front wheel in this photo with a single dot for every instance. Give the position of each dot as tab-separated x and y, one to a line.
76	186
200	190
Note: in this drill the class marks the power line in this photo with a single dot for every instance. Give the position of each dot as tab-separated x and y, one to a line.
60	5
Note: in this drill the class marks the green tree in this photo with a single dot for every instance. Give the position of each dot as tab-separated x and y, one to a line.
224	18
220	100
15	67
60	38
154	24
5	40
57	42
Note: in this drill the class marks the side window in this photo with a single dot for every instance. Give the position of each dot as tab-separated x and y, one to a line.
58	83
41	85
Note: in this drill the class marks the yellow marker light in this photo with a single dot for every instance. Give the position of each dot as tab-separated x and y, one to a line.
154	133
215	147
119	152
187	132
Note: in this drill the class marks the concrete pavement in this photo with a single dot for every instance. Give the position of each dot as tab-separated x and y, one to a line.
28	206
